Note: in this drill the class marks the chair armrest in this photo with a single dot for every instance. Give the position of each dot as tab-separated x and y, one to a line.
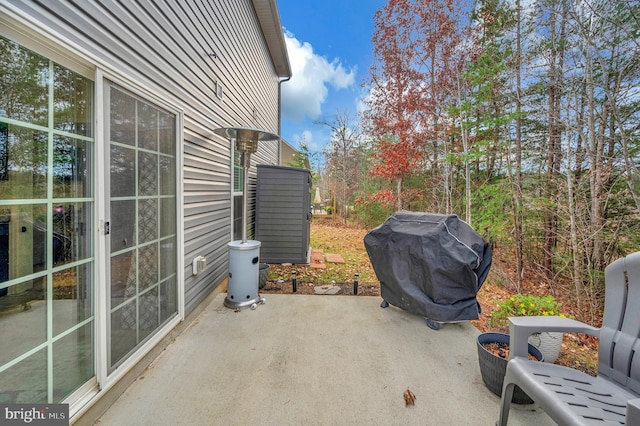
633	412
520	328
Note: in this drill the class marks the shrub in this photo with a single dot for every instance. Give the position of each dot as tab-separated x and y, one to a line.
520	305
372	215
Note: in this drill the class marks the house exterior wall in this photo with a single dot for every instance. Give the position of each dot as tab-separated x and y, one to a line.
190	52
287	152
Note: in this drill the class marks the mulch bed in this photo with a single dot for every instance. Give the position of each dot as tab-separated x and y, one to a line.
346	289
502	350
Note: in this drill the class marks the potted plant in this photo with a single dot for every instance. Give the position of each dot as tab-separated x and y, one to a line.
493	355
549	343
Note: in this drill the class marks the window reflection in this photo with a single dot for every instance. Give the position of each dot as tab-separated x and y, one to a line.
123	277
23	315
168	299
123	227
147	126
23	240
167	176
72	225
73	97
148	266
123	173
72	297
122	120
24	84
124	333
167	216
23	162
167	133
72	361
71	167
23	237
24	382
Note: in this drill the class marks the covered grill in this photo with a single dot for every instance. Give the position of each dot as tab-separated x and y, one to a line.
430	265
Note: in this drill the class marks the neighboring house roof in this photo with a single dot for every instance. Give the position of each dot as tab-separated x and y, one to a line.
269	17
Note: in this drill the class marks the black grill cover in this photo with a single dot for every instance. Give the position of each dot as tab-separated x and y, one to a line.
429	264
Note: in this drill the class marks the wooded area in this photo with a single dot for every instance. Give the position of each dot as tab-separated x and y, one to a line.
523	119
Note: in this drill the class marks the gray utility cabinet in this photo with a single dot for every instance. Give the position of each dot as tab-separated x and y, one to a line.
283	214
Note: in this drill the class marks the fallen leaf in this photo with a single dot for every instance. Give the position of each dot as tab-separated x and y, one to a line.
409	398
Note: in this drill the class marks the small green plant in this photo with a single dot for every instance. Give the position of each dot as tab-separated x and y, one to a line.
520	305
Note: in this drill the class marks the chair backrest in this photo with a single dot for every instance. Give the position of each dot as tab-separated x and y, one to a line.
620	333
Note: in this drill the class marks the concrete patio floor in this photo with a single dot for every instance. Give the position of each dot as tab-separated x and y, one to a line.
314	360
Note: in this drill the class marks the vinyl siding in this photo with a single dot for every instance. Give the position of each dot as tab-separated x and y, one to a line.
168	47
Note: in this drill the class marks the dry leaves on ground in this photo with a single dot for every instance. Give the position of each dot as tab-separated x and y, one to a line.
409	398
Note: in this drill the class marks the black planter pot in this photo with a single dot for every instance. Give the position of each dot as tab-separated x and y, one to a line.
263	274
493	367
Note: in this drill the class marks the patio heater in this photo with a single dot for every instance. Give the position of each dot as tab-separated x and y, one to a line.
244	255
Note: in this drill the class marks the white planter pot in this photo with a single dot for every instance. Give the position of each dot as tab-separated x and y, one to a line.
549	344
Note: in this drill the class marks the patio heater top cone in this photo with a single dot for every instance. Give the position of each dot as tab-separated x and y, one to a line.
244	255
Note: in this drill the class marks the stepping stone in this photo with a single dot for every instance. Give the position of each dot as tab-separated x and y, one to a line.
334	258
327	289
318	264
317	259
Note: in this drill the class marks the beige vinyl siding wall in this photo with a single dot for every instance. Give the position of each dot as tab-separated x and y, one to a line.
168	47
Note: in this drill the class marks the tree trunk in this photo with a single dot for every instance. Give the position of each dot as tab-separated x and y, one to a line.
550	221
576	258
595	151
467	175
554	152
399	193
517	193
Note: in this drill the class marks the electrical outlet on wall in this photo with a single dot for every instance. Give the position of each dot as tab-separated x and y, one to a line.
199	264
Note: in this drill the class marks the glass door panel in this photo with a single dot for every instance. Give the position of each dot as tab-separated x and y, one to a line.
46	233
142	240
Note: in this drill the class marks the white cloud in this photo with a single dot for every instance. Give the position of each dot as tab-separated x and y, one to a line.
304	94
361	101
306	138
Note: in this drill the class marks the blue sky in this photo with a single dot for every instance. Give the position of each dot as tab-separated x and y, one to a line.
330	51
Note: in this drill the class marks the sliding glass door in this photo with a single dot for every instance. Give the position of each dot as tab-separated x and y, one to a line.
50	282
